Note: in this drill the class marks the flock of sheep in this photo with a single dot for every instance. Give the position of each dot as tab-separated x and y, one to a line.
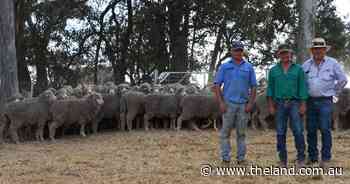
129	107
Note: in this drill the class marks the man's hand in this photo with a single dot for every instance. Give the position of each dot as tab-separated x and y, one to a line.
248	107
219	98
272	109
223	107
302	108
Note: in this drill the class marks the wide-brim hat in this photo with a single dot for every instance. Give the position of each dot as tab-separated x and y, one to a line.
319	43
284	48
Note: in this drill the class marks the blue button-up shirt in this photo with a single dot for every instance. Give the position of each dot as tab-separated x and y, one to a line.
326	79
237	80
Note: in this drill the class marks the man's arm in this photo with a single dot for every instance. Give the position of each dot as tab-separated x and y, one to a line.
219	80
218	93
252	97
302	91
271	105
219	98
341	78
270	93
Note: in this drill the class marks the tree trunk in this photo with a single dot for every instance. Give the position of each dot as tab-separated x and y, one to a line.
121	70
216	50
157	37
306	28
24	80
41	83
8	60
178	35
98	47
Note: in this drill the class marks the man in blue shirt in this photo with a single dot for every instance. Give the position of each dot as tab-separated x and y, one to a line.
237	77
325	79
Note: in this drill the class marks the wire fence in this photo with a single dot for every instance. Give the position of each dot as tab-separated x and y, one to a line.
201	79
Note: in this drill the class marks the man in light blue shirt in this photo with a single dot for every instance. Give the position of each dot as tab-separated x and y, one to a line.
325	79
238	79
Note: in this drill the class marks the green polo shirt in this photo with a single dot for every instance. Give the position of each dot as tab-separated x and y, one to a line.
291	84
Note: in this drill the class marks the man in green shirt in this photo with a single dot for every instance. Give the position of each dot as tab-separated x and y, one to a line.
287	93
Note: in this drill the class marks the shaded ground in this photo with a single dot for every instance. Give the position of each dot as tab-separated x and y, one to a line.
149	157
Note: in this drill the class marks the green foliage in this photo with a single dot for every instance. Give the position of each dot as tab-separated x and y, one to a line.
162	35
330	26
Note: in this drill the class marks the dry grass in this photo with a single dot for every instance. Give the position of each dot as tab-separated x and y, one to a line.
148	157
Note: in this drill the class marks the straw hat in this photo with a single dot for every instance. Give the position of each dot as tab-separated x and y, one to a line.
319	43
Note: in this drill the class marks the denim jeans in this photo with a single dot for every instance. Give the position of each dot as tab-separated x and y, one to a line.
289	110
319	116
235	115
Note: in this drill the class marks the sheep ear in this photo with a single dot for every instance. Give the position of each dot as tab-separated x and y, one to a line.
98	100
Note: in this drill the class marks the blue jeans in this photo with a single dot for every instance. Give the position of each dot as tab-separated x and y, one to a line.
319	116
289	110
235	115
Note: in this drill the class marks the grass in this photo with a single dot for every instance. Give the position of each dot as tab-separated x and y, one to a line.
153	157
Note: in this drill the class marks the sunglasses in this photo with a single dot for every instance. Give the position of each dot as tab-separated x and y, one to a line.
318	43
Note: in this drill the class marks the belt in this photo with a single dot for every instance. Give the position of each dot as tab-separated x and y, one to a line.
322	98
287	99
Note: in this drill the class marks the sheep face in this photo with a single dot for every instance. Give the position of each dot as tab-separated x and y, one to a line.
96	99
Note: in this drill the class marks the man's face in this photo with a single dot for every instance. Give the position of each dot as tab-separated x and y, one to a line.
319	53
285	56
237	54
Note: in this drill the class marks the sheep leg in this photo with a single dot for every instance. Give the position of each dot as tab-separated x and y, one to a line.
210	121
94	127
167	123
194	126
117	121
179	123
263	122
157	123
40	131
129	119
52	130
215	125
122	121
335	122
146	118
2	129
13	132
82	129
172	123
253	122
138	122
37	134
25	133
64	127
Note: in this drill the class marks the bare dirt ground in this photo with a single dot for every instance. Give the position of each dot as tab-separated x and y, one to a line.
153	157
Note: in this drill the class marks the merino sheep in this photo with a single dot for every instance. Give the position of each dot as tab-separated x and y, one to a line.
33	111
162	106
132	106
198	107
110	109
81	111
342	110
